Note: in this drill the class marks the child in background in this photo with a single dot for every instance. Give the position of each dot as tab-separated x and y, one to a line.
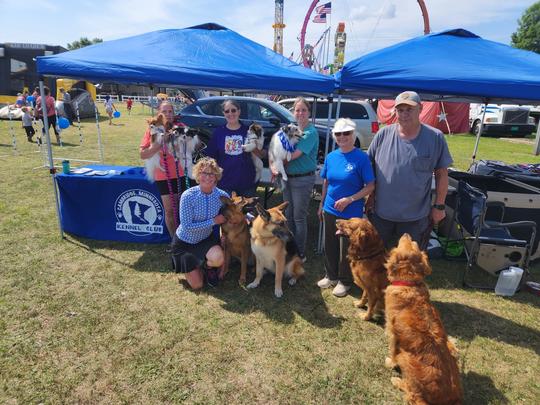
27	123
129	104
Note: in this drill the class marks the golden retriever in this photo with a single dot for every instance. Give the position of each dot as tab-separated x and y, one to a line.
366	256
418	342
274	248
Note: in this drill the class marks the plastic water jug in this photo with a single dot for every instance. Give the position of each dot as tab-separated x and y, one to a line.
508	281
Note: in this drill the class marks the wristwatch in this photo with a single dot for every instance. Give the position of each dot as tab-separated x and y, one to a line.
441	207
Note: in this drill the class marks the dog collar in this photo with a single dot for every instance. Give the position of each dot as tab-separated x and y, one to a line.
404	283
285	142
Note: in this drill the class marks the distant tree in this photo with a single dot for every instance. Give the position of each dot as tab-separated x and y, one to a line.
527	35
81	43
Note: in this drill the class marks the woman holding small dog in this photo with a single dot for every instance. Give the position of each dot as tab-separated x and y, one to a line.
196	246
169	177
301	175
347	179
226	147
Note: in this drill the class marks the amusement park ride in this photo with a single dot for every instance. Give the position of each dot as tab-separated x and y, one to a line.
312	58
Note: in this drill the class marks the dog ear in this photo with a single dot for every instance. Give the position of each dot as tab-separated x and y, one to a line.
233	194
225	200
265	215
283	205
425	264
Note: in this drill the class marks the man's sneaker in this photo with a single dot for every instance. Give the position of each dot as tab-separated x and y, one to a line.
340	290
326	283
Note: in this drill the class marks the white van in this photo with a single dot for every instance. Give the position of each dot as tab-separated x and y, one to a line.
360	112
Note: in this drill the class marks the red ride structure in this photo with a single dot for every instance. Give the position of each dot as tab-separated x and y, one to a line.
306	52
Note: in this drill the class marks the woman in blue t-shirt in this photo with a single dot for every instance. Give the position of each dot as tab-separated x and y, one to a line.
347	179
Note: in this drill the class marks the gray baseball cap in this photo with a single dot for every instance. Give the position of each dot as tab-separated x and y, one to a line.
408	97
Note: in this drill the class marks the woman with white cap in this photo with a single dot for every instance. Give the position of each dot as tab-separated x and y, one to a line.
347	178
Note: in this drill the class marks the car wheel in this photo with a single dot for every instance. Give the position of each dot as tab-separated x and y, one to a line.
475	127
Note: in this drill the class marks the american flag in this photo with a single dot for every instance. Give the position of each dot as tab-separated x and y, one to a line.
320	18
324	9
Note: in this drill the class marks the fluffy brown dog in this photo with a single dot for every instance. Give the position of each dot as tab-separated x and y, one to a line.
366	255
236	232
417	339
274	248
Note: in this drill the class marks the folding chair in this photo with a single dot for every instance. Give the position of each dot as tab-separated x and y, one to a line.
489	244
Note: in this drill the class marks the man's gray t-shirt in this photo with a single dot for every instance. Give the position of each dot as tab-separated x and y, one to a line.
404	170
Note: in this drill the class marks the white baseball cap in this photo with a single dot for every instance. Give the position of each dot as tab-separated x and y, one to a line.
344	125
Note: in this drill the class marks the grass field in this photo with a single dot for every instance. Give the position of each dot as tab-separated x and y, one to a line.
84	321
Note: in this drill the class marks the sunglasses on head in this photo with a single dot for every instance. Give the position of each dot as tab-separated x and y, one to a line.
231	110
343	133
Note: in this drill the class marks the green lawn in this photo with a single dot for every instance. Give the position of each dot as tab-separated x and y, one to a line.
85	321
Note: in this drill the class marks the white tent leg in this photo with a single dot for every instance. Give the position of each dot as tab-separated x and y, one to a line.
100	146
50	155
479	133
11	130
536	148
79	123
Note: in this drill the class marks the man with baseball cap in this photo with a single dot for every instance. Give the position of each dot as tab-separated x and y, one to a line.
405	156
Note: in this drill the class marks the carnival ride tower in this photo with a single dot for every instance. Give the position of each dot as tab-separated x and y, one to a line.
339	46
278	27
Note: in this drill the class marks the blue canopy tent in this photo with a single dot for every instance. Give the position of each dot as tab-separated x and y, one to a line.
452	65
207	56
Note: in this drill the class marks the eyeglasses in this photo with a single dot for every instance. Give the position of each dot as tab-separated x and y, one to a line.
232	111
208	174
343	133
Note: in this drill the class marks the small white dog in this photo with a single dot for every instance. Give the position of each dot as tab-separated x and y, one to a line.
255	140
185	142
157	131
282	147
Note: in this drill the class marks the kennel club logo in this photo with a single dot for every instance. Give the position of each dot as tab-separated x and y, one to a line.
139	213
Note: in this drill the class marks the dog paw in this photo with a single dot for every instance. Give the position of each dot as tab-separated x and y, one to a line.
396	382
359	303
278	293
389	363
253	285
292	281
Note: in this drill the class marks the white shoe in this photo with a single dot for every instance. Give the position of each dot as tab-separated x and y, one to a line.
326	283
340	290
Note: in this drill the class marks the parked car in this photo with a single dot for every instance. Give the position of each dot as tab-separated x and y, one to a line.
360	112
206	114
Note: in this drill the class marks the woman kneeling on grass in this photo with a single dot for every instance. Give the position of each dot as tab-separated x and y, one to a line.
195	247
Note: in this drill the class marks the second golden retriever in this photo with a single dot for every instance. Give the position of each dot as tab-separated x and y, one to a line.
418	342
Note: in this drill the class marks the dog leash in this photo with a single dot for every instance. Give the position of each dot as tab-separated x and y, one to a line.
169	185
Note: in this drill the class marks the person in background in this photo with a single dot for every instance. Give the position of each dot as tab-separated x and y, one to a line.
129	105
51	113
68	110
301	172
174	170
347	179
196	249
405	156
225	147
27	123
109	107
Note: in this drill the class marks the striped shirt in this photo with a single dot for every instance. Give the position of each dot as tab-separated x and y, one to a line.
197	212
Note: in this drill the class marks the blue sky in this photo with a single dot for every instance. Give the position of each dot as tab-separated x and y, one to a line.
370	25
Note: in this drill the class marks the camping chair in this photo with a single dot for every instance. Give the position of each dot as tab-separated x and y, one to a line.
489	244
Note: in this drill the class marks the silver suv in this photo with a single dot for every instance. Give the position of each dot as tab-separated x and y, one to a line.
360	112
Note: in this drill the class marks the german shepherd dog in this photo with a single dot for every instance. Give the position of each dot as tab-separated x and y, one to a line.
367	257
235	231
275	248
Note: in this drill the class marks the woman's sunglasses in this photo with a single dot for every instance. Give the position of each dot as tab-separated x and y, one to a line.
343	133
232	111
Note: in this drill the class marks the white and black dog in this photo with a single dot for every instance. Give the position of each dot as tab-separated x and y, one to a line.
157	131
185	141
255	140
282	146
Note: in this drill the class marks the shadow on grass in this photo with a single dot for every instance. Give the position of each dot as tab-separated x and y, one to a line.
466	323
480	390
